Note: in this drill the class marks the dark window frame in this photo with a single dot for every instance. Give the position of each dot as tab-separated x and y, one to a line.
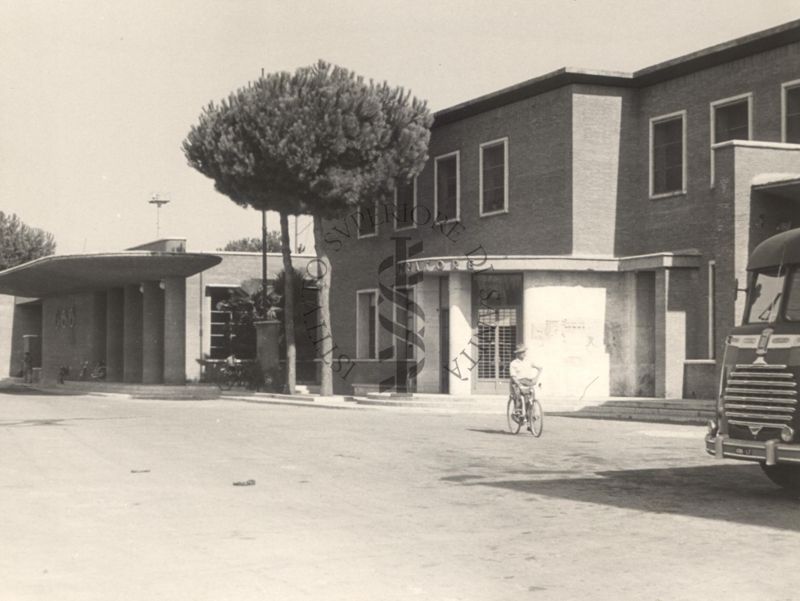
787	136
655	122
437	205
493	144
411	224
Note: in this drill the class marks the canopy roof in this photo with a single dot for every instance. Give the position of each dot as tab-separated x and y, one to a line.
64	274
785	185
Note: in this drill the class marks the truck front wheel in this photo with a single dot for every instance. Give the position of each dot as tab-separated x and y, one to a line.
785	476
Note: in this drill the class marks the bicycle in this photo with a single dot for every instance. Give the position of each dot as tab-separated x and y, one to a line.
229	376
533	415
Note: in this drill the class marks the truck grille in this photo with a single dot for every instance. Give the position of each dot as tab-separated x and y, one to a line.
760	396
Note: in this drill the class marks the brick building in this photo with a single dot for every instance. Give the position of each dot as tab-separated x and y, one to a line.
149	313
600	218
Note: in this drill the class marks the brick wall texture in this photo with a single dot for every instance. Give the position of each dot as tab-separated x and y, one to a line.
578	162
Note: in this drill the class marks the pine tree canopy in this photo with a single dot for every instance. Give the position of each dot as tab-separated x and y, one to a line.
319	141
20	243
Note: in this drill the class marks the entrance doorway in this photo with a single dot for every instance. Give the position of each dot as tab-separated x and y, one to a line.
498	325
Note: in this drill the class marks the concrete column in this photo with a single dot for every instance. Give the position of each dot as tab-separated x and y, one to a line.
670	347
463	355
132	334
175	330
205	317
152	333
630	362
528	307
115	334
427	297
195	330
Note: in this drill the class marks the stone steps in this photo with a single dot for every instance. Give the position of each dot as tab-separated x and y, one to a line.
188	392
687	411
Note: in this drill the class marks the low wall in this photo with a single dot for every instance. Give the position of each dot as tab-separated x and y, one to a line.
699	381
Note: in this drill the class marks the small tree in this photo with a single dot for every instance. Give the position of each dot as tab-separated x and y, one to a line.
253	245
321	141
20	243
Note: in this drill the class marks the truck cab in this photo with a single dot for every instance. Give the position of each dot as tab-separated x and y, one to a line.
757	403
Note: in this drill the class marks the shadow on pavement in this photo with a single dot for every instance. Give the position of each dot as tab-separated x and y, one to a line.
17	389
488	431
735	493
56	421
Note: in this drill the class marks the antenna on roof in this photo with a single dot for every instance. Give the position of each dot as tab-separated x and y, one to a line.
159	202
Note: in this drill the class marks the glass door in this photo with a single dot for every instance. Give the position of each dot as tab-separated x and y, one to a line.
498	298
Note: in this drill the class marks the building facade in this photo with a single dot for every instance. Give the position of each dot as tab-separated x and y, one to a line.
603	219
150	314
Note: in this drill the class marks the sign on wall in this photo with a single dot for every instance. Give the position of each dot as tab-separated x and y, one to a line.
65	317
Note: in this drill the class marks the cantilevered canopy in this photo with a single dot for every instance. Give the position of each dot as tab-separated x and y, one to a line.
785	185
76	273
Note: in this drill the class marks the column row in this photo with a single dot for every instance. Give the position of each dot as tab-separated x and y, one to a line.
146	332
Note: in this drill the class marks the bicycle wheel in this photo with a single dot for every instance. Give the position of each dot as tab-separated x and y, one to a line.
536	418
513	424
226	379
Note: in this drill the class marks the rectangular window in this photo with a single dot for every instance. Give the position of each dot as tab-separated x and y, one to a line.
367	324
791	112
230	333
446	195
792	311
730	120
367	222
494	177
405	201
668	154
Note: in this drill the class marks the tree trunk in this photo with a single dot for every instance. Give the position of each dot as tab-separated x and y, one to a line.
288	305
324	283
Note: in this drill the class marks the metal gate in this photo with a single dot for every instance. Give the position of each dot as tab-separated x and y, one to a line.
497	336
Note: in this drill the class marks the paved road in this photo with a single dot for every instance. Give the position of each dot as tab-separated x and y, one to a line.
108	498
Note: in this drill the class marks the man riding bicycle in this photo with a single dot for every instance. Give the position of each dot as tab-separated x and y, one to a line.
523	379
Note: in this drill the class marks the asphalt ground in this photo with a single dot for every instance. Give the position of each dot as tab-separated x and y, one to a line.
116	499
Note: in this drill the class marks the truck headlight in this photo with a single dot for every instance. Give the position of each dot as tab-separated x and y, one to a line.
712	427
787	434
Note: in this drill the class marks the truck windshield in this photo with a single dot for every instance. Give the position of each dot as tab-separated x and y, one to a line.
765	295
792	311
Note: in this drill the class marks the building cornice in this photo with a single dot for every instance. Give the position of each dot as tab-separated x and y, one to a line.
509	263
713	56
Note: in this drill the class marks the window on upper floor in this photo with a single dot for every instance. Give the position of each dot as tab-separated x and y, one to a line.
731	119
367	222
494	177
405	201
367	324
791	112
668	154
446	195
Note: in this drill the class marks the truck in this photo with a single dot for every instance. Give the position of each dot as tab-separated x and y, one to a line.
757	404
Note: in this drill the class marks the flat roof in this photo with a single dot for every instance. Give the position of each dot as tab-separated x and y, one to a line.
712	56
64	274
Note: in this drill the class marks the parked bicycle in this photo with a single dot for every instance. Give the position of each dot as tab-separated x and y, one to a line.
232	375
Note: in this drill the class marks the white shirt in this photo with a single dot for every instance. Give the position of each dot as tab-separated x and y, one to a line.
522	369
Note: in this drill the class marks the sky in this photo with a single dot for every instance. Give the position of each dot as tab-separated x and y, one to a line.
97	97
